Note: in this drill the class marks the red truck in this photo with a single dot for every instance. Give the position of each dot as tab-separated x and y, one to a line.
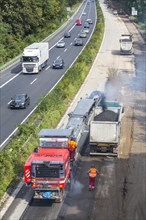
47	171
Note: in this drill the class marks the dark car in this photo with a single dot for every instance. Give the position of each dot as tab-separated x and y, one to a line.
58	63
86	25
78	42
19	101
67	34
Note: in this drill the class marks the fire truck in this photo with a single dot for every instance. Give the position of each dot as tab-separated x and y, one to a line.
47	171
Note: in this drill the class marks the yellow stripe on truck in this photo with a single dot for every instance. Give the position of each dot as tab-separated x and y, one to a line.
103	145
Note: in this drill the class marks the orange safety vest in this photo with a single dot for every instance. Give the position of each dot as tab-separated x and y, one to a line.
72	145
92	172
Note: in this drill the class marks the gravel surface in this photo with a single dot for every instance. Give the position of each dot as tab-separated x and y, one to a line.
106	115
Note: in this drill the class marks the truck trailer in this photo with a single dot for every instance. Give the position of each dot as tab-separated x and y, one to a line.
126	44
104	131
47	171
35	57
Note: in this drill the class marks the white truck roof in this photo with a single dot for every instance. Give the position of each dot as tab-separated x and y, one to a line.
37	45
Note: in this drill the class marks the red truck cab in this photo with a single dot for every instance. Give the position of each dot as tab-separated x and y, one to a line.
48	172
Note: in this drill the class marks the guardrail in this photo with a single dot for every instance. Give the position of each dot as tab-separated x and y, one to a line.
15	60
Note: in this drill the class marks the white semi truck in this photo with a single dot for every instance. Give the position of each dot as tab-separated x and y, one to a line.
126	44
35	57
104	131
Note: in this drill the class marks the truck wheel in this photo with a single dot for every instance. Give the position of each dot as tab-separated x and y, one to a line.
59	200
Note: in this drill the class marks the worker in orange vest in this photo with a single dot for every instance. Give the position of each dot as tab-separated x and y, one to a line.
72	145
92	177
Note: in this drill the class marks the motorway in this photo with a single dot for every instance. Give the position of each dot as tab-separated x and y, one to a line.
120	189
12	81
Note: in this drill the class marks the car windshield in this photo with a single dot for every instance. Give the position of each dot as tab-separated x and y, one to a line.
19	98
58	61
30	59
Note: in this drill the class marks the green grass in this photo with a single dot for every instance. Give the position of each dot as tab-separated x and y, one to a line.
49	112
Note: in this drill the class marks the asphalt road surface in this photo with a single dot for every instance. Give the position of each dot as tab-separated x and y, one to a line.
120	192
12	81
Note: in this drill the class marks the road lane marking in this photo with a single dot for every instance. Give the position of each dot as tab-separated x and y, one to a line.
33	81
10	80
65	50
47	68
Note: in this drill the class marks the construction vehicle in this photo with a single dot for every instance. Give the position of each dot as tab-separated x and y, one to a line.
126	44
35	57
47	171
79	119
104	131
54	138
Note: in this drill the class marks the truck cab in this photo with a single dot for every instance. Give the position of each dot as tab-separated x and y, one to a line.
126	44
47	172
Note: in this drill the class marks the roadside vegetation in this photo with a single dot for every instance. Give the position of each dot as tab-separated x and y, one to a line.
126	6
49	112
28	21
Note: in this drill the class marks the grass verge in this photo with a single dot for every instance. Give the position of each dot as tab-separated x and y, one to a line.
49	112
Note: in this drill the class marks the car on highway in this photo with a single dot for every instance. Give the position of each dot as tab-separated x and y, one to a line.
89	21
60	44
86	30
84	13
58	63
82	34
78	42
67	34
86	25
19	101
78	21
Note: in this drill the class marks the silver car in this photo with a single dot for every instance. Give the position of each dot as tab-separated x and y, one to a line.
82	34
60	44
86	30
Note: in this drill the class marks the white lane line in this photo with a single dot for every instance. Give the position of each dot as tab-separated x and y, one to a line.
58	57
65	50
10	80
33	81
47	68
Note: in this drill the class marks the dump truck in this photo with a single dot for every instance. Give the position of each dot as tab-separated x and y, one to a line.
126	44
104	130
47	172
35	57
